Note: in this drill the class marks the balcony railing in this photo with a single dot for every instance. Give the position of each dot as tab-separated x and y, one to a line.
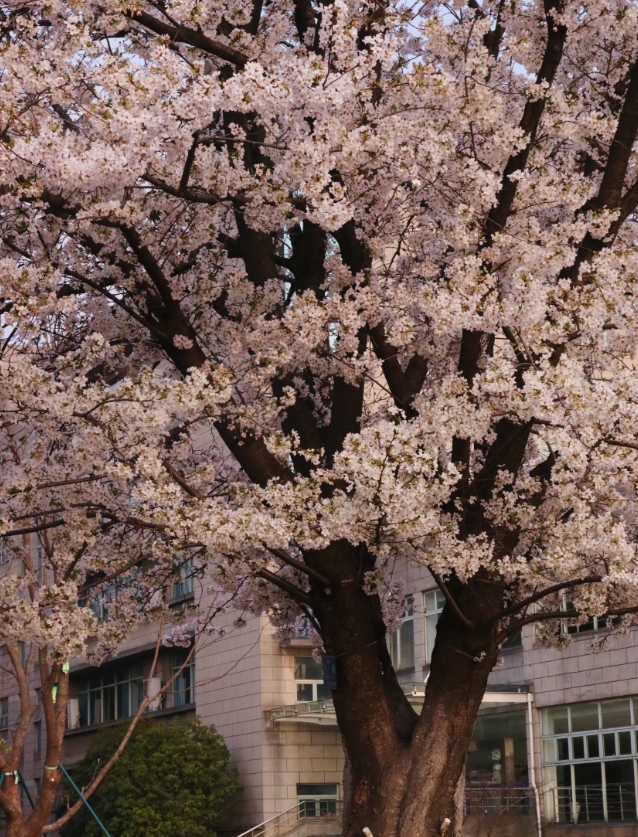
616	802
490	800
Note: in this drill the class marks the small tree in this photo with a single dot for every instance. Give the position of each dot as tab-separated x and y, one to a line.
172	780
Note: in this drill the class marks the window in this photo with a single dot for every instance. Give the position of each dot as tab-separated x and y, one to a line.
590	757
102	598
108	696
184	683
514	641
22	651
4	718
4	551
318	800
37	728
39	559
184	586
593	623
38	787
433	603
401	642
309	681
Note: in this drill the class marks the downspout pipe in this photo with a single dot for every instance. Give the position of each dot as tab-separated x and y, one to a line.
532	763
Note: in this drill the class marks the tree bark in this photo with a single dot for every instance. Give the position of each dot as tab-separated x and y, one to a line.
404	768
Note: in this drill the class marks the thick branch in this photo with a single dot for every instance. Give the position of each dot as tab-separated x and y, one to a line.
295	593
298	565
193	37
548	591
450	599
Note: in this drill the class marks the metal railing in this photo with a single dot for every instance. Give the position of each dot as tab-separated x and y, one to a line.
616	802
490	800
325	707
304	811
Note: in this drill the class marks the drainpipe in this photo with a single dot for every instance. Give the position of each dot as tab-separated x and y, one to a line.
532	766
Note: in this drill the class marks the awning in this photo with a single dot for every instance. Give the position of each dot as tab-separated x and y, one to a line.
322	712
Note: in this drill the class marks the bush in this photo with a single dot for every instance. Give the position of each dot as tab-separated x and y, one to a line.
172	780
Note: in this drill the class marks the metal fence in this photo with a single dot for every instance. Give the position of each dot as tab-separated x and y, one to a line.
491	800
616	802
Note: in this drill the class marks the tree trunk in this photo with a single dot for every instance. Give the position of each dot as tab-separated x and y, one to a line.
404	769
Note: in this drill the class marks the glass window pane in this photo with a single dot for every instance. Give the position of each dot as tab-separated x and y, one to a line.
323	692
304	692
137	694
563	804
317	790
555	720
430	601
406	647
589	793
95	707
584	717
393	648
609	744
514	641
123	700
307	669
309	807
549	751
562	748
621	791
83	708
109	711
616	713
624	743
578	746
593	747
430	635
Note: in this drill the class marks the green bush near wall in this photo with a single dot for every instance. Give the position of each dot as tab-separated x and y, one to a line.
172	780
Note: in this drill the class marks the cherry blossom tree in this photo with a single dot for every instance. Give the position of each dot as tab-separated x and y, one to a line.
366	272
78	570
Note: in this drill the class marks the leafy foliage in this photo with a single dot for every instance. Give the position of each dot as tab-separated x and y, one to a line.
172	780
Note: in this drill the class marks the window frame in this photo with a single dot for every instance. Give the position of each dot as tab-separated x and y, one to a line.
332	800
429	616
183	695
552	760
4	716
313	682
185	587
86	705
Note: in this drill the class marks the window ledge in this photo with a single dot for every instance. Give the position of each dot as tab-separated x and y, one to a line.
158	713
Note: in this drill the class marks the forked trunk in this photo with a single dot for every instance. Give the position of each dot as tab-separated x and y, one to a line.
404	768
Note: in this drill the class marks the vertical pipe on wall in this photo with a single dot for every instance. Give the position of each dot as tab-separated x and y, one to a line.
532	763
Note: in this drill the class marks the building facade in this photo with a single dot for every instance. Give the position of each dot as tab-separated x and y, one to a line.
555	745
